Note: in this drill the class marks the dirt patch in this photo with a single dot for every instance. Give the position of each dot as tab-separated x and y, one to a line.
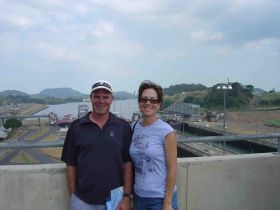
22	109
250	122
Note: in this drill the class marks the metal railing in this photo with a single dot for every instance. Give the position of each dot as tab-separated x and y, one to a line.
195	139
20	144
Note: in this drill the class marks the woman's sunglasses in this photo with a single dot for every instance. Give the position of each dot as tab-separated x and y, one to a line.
152	100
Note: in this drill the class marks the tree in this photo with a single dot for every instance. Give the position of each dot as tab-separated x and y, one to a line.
176	89
166	103
13	123
238	96
195	100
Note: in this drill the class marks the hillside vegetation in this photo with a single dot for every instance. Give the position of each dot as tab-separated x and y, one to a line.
182	88
269	99
239	97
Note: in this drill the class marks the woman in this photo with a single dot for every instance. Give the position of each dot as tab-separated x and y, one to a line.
154	153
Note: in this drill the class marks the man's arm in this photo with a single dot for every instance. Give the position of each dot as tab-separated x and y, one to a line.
71	172
128	178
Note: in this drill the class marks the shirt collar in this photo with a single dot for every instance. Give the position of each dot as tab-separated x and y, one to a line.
112	119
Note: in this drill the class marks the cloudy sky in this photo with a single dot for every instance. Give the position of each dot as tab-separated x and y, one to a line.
70	43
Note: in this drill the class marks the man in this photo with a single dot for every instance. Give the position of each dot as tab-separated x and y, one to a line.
96	152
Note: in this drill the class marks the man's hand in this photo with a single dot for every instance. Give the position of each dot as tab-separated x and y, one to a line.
124	204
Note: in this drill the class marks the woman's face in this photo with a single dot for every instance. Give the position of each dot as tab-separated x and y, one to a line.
149	104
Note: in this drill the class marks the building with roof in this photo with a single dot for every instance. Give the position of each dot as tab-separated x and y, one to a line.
188	110
3	132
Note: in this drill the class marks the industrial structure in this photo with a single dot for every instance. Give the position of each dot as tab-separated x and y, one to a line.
188	111
82	110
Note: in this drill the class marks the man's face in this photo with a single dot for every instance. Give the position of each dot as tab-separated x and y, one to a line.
101	101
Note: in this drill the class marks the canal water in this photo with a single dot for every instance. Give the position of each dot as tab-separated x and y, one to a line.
124	108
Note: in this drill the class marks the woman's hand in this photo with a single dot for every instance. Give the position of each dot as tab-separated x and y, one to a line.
166	206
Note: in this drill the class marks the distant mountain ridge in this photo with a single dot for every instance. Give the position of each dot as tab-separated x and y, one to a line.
123	95
69	92
119	95
258	91
12	93
61	93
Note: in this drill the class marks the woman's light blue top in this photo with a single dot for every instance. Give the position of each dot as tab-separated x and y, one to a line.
148	155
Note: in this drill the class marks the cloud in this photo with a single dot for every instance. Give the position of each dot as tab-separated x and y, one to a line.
206	36
171	54
17	20
133	7
58	52
267	44
82	9
102	29
9	43
139	39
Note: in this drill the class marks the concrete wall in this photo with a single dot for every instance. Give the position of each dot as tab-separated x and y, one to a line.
33	187
243	182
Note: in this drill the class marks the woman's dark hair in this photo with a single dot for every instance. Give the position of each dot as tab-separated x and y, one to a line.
147	84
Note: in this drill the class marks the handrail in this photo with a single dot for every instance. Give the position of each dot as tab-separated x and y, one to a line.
229	137
5	117
193	139
16	145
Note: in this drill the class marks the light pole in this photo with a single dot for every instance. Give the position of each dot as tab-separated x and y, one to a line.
224	87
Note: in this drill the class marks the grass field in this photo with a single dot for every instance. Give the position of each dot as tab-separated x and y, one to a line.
52	152
273	123
23	157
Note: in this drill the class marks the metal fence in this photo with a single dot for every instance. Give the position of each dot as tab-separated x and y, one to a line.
193	139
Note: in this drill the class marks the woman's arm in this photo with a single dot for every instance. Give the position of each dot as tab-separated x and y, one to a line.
170	146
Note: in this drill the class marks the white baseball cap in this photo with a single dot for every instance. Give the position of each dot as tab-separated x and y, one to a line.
102	84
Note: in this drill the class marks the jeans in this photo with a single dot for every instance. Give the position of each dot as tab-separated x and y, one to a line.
143	203
77	204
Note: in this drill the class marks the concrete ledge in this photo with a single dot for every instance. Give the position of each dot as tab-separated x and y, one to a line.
239	182
33	187
235	182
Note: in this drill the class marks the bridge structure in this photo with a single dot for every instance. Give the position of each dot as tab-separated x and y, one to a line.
21	117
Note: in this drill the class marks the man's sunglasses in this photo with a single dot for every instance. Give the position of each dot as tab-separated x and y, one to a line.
151	100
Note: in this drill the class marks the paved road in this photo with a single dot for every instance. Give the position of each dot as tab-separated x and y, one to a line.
35	153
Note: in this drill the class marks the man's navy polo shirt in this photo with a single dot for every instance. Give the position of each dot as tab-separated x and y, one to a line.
99	155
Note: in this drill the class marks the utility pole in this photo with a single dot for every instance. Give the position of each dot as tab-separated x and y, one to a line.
224	87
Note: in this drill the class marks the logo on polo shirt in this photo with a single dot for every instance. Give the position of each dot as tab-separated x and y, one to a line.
112	134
